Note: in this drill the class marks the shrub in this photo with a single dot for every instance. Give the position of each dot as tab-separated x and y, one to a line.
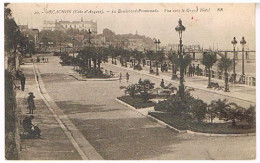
199	110
138	67
187	107
143	88
130	90
165	105
250	116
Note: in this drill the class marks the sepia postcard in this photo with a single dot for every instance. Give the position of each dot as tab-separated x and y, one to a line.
130	81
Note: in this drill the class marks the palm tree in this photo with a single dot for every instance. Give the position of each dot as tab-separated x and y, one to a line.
186	61
173	58
139	56
225	64
227	111
150	55
208	60
159	58
111	51
101	56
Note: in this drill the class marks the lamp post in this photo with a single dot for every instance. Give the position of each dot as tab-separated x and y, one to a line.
234	42
157	42
73	42
226	77
180	28
89	43
243	42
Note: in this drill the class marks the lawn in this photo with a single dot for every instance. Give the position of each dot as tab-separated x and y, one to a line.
215	128
136	102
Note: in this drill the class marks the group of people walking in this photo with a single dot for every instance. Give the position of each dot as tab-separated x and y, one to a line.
192	70
41	60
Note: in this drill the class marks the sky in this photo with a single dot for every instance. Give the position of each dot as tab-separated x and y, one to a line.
206	24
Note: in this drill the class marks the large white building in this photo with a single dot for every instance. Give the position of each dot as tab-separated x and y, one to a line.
65	25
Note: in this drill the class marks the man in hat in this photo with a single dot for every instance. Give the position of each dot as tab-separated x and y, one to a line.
22	79
127	76
30	102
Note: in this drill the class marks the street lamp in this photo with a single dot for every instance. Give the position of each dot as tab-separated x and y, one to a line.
157	42
89	43
243	42
234	42
180	28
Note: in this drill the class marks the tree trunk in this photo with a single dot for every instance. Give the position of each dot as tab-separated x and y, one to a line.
157	70
99	62
173	71
89	63
209	79
150	65
134	64
95	63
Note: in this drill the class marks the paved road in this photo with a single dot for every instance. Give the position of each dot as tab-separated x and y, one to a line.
117	132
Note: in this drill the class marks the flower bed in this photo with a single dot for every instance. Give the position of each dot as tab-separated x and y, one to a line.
136	102
214	128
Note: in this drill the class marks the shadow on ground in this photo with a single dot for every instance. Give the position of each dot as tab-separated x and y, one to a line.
131	138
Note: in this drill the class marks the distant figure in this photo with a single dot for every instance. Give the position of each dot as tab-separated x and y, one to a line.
162	84
198	69
127	76
46	60
37	59
120	77
190	70
31	130
43	59
30	101
193	69
140	81
22	79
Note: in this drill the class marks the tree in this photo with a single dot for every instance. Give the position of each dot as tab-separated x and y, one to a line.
101	56
208	60
159	58
186	61
173	58
137	55
11	30
150	55
225	64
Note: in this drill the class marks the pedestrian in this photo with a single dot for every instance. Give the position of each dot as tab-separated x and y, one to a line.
43	59
198	69
127	76
22	79
46	60
120	77
30	101
190	70
38	60
193	69
162	84
32	131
